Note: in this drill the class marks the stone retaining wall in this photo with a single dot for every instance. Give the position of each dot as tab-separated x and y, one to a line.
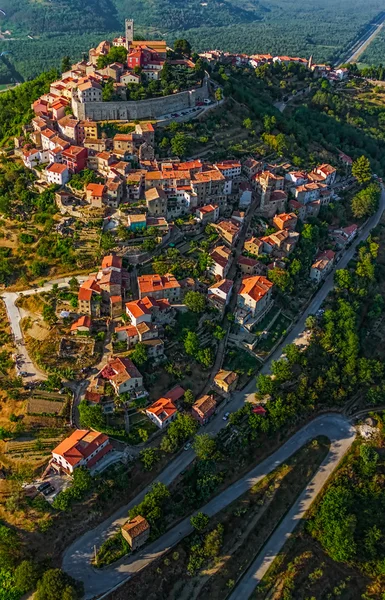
142	109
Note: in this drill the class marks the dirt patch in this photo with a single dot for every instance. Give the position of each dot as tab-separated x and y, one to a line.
305	568
32	303
39	330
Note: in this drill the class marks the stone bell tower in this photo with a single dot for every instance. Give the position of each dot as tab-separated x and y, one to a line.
129	26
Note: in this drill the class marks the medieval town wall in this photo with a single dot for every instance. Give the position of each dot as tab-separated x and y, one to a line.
142	109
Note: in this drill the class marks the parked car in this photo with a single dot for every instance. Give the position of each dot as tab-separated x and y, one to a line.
43	486
49	490
226	416
187	446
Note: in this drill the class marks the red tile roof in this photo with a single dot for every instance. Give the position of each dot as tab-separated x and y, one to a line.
175	393
255	287
84	321
112	261
205	404
329	254
153	283
81	444
96	189
224	285
119	370
57	168
162	409
136	526
244	260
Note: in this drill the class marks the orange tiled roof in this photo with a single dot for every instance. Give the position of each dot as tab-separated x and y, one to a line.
162	409
152	283
96	189
209	208
255	287
205	404
81	444
56	168
136	526
84	321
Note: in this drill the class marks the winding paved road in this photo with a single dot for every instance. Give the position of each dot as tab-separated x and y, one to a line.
341	435
337	428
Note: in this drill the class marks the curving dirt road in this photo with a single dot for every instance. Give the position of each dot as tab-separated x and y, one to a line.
76	560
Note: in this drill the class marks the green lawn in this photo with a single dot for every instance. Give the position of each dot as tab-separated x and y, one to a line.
262	325
276	332
240	361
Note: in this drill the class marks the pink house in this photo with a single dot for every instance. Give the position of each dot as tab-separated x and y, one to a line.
203	409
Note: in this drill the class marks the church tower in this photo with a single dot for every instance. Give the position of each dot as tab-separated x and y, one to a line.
129	23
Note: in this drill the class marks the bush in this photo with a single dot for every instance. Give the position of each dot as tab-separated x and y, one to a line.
149	457
57	585
151	508
26	576
111	550
82	481
200	521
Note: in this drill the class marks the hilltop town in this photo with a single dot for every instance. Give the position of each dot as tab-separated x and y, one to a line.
157	284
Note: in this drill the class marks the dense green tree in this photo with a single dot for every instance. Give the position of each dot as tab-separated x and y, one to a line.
91	417
179	144
116	54
281	279
191	344
213	542
182	47
108	91
369	458
149	457
343	279
206	357
282	370
178	432
361	169
265	384
139	354
200	521
195	301
334	524
49	314
26	576
205	446
248	123
189	397
152	507
365	202
9	547
57	585
218	94
66	64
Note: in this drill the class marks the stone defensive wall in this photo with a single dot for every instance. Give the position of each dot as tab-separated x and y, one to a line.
142	109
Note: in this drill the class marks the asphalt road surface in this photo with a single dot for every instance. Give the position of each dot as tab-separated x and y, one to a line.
76	560
341	435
